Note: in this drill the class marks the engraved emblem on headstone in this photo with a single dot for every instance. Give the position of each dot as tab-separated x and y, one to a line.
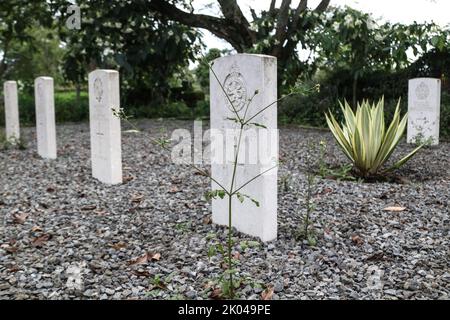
98	89
422	91
236	89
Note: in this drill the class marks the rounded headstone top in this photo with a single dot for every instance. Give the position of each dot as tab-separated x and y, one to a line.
245	55
44	78
104	71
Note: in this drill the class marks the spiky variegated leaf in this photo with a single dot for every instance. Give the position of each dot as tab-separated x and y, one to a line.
364	139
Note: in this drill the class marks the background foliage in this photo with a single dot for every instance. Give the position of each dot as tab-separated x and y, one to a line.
350	54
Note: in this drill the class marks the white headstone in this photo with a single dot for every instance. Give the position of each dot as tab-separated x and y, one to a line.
106	149
424	101
11	111
45	117
241	76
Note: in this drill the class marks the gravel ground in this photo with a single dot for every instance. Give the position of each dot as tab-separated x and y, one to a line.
63	235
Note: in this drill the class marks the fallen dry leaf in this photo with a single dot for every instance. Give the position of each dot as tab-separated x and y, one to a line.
357	240
325	191
394	209
141	273
118	245
189	205
9	248
36	229
89	207
14	268
155	256
207	220
173	189
267	294
127	178
137	198
377	256
176	180
216	294
101	212
139	260
148	256
20	217
237	256
39	241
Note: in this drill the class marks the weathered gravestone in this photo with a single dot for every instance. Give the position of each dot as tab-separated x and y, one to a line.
106	149
424	100
241	76
45	117
11	111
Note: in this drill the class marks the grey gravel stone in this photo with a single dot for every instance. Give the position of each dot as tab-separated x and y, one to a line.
361	250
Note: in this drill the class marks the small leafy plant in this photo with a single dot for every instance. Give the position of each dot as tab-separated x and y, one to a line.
243	120
364	139
12	142
285	181
305	232
420	139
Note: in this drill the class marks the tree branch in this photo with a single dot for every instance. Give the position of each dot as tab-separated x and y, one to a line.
237	34
281	29
323	5
302	6
272	5
232	11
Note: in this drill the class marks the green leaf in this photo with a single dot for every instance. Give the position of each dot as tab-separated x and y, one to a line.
258	125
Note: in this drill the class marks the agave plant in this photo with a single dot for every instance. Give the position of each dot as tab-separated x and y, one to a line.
364	139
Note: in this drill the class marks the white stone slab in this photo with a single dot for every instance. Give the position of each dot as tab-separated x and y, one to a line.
45	117
11	111
106	149
241	75
424	101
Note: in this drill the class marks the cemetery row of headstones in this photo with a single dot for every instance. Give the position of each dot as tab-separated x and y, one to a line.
104	96
240	75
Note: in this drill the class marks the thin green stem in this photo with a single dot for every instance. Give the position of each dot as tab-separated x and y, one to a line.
233	178
248	105
268	106
230	230
252	179
230	244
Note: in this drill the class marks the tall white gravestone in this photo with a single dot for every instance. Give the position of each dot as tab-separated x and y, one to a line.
45	117
424	100
241	75
11	111
106	149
